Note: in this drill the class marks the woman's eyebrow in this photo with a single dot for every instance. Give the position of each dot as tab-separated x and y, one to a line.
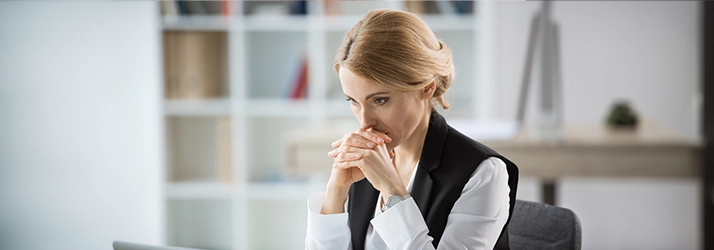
377	93
369	96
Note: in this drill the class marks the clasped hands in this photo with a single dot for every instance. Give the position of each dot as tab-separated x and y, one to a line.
364	154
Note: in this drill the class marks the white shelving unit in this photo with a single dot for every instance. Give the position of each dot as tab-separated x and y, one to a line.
257	208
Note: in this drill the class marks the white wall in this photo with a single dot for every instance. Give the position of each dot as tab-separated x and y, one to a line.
80	128
643	51
646	52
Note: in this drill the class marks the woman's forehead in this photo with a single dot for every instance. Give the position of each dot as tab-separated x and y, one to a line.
354	83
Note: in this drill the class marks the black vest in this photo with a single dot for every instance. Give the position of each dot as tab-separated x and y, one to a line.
447	161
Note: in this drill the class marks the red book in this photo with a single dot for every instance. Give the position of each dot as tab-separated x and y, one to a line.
227	8
299	90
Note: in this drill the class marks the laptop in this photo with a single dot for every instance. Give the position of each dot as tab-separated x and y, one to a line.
122	245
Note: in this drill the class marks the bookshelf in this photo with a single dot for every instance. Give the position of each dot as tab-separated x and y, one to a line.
227	186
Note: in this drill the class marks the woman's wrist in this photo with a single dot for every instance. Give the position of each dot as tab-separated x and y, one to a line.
394	190
335	199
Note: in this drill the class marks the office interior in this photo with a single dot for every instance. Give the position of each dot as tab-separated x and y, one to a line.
101	140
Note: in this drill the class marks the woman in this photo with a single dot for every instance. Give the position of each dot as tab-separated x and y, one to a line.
406	179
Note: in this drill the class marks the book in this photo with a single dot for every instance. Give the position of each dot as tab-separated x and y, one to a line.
182	7
226	7
194	64
417	7
224	149
331	8
213	7
195	8
190	7
169	8
170	69
200	149
299	86
464	7
299	8
443	7
275	8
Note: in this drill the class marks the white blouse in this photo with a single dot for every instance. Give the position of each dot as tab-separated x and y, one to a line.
475	221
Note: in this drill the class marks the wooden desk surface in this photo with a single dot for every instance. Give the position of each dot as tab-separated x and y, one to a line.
649	151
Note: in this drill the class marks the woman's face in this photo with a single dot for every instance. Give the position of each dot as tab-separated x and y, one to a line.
395	113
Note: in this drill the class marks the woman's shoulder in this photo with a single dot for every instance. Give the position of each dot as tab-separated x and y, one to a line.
454	138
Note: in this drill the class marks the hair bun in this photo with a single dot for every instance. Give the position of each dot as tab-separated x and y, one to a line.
397	50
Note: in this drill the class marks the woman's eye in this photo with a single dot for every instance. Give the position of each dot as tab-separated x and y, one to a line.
380	101
352	101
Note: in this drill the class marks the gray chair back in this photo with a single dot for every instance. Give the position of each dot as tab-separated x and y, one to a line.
540	226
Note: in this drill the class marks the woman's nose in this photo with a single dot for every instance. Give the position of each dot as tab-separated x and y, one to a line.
367	120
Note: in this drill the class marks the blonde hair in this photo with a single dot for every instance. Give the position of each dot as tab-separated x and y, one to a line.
397	50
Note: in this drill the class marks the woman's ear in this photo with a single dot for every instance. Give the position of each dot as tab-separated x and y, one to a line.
429	90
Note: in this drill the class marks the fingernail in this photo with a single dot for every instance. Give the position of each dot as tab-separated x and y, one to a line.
370	145
380	140
329	153
334	165
356	155
333	143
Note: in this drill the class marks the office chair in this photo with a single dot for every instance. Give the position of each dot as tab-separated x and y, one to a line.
540	226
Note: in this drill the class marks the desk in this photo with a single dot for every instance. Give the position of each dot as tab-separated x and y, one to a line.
649	151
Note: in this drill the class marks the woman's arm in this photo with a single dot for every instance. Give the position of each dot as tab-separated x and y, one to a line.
349	150
327	226
326	231
475	222
478	216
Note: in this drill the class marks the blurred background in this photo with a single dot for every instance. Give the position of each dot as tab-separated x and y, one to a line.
206	124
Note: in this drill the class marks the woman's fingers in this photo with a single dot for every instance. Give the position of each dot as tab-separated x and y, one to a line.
362	138
342	149
352	156
358	141
374	164
337	143
342	157
373	135
355	140
347	164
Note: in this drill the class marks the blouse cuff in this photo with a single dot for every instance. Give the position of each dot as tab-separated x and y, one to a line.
400	223
324	226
